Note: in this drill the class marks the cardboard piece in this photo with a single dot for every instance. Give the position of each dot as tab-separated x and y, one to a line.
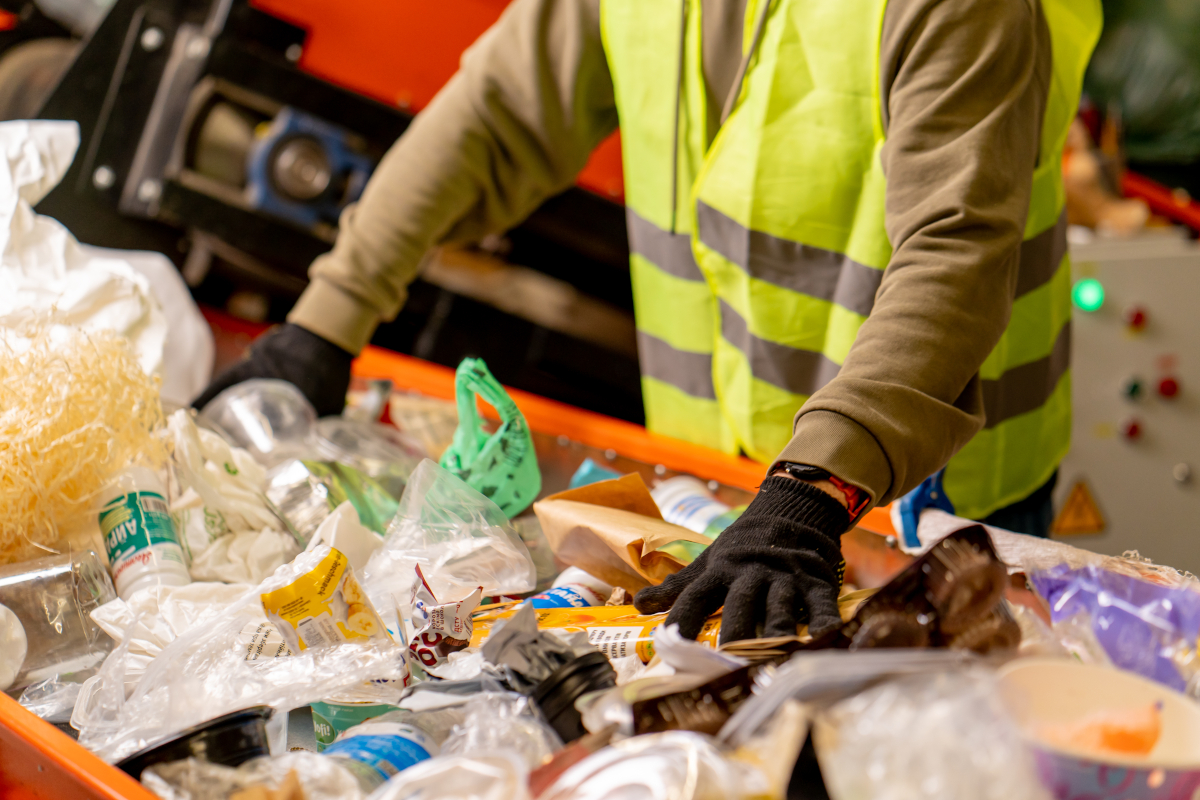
613	529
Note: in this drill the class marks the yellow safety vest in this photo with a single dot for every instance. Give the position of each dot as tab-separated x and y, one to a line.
756	259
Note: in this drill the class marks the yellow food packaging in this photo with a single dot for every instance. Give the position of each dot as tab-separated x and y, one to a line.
324	605
619	631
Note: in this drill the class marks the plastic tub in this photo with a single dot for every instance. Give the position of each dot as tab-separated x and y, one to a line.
229	740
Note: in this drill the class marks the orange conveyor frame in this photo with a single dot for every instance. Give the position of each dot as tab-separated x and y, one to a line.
40	762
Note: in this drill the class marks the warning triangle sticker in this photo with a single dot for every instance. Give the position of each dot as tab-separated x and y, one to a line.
1079	515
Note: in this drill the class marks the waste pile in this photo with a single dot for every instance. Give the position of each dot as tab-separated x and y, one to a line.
256	604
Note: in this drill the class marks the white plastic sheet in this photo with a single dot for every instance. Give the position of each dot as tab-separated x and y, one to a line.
138	294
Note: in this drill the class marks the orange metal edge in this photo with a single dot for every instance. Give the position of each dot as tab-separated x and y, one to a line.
48	763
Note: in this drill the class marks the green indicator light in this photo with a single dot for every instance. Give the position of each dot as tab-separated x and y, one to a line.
1088	294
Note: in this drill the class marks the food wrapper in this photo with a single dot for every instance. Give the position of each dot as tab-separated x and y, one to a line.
613	530
441	628
620	631
320	603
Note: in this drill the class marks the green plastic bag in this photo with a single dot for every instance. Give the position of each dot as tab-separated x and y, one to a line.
502	466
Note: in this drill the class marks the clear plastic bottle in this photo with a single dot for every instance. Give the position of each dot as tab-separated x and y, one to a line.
139	535
381	747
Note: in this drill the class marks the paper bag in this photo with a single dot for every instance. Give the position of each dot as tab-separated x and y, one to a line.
613	529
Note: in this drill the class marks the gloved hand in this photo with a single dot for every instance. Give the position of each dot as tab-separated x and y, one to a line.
780	563
317	367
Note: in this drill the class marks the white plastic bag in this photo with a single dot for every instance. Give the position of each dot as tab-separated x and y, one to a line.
42	266
459	538
940	736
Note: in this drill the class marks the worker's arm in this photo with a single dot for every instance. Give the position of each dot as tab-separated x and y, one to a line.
514	126
966	85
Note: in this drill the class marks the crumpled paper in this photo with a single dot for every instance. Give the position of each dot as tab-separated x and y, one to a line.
137	294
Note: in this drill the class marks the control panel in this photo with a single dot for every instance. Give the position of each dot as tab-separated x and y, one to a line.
1130	481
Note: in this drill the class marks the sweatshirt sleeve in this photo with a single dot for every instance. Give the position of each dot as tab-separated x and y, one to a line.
966	85
514	126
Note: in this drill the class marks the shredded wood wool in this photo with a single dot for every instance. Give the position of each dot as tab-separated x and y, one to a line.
75	409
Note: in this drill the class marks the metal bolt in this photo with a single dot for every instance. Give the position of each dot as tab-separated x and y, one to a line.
103	177
660	470
149	191
293	53
1182	473
713	486
610	454
198	47
563	441
152	39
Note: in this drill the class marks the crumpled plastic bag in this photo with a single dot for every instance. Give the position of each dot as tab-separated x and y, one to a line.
501	465
212	669
318	777
1143	627
459	538
137	294
217	501
940	736
482	776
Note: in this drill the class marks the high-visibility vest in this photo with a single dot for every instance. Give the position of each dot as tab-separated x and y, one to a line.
756	259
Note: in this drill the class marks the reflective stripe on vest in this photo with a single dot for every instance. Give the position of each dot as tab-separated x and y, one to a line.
750	288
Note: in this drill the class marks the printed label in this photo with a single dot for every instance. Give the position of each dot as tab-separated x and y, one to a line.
572	596
387	747
617	642
324	731
262	640
324	606
137	528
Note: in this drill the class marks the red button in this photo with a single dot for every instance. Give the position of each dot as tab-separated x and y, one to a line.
1131	429
1168	388
1135	317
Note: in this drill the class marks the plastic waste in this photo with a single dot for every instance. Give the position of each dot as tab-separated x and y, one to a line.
460	539
343	531
1143	627
940	736
440	628
546	565
502	465
380	748
381	452
229	740
215	668
270	419
677	765
590	472
139	295
573	588
289	775
216	497
305	492
143	546
332	719
48	644
482	776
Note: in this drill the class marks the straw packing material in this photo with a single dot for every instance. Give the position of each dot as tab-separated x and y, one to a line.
75	409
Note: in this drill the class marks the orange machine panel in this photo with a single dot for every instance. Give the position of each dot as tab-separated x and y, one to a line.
401	52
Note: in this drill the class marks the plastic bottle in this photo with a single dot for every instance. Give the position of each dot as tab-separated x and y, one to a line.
573	588
143	546
378	749
684	500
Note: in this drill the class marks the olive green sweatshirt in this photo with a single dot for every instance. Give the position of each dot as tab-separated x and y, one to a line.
965	84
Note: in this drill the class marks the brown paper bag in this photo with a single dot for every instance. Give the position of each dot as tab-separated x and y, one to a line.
613	530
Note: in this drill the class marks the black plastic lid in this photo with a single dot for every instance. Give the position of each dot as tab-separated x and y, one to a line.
557	694
229	740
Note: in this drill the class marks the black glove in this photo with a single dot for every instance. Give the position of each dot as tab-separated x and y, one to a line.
317	367
780	563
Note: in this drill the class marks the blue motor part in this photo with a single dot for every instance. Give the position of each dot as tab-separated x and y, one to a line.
305	170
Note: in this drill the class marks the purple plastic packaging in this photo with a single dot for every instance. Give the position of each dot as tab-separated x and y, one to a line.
1143	627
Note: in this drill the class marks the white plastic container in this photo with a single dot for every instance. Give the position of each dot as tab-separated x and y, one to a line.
573	588
141	540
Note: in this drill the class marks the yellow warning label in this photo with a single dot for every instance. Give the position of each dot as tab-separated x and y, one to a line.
1079	515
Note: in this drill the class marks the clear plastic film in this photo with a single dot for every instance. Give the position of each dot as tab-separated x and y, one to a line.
216	668
314	777
381	452
271	419
937	736
459	538
482	776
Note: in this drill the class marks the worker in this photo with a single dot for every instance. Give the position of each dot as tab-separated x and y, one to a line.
848	249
